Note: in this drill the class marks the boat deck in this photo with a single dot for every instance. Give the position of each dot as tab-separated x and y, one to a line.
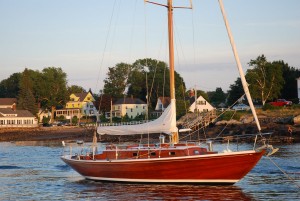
113	152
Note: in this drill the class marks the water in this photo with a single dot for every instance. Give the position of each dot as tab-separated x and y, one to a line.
34	171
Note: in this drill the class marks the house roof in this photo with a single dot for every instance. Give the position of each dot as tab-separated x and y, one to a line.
8	101
165	101
81	95
129	101
20	113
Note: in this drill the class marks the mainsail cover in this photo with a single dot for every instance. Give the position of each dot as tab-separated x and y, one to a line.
166	123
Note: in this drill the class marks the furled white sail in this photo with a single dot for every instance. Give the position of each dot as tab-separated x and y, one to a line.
166	123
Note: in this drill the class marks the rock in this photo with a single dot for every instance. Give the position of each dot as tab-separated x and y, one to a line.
296	120
234	122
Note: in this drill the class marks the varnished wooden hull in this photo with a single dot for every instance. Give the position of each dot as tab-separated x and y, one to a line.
212	168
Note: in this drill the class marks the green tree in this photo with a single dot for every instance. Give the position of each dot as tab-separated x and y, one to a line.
265	79
158	80
9	88
133	78
116	82
218	96
181	108
75	89
26	98
235	91
290	75
52	89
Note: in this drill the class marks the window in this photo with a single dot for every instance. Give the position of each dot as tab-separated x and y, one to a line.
196	152
172	153
131	110
201	102
134	154
153	154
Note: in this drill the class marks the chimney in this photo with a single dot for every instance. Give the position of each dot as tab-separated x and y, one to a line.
192	93
14	107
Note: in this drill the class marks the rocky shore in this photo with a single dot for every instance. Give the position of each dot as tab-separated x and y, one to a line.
279	133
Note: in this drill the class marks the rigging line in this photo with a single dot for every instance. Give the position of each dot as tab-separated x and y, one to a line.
178	61
193	25
156	66
106	40
145	21
115	27
290	178
130	44
192	133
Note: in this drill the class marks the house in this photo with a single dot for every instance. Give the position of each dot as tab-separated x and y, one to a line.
161	105
80	104
200	105
8	103
11	117
131	107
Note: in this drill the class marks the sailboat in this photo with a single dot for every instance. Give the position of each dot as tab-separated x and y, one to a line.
172	162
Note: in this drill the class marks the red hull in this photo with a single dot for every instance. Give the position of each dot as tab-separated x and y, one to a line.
211	168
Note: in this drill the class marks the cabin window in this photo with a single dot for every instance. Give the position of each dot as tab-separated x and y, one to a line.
134	154
196	152
153	154
172	153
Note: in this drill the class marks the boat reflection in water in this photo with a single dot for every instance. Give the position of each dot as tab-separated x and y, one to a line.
161	192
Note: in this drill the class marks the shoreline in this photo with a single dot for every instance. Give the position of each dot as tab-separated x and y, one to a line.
280	133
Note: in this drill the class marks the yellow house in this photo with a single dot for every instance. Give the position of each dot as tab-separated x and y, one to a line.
80	104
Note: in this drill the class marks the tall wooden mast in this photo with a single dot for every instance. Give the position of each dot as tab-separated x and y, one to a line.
169	6
171	48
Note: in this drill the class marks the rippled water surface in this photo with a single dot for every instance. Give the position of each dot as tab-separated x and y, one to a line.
34	171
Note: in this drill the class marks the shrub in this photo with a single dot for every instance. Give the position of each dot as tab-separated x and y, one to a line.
228	115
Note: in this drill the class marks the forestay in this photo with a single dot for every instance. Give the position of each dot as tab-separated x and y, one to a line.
166	123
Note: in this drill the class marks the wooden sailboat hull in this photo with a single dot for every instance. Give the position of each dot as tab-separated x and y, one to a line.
226	168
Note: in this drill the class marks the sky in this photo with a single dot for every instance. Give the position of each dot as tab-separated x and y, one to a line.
85	37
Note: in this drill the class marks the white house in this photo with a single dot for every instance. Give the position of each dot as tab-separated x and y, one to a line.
17	118
11	117
131	107
200	105
162	103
